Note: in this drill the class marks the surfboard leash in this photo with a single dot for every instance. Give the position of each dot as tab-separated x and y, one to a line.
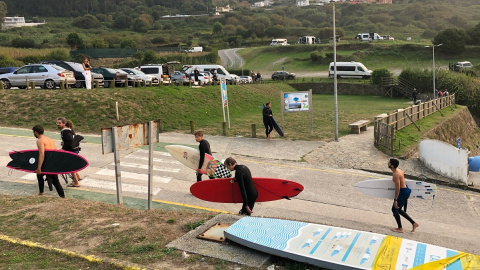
431	206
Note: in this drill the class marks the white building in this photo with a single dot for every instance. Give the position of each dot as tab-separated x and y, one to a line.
302	3
11	22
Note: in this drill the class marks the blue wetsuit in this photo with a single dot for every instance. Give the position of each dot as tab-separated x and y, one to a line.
402	202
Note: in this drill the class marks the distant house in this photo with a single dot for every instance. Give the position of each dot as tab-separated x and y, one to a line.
302	3
262	3
223	9
11	22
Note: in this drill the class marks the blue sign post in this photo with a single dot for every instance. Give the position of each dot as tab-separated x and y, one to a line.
458	143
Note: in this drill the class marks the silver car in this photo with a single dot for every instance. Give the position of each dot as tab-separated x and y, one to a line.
43	75
148	79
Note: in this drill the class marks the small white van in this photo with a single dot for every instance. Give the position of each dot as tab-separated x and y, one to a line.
279	41
368	37
194	49
217	70
349	69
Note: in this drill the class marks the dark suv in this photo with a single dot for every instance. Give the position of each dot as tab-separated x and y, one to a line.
77	72
111	75
283	75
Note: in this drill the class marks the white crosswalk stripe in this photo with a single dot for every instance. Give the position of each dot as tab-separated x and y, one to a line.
136	176
94	183
143	166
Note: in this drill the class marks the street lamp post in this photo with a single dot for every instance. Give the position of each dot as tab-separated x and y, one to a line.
433	55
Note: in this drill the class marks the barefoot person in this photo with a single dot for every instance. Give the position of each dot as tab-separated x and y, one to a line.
44	143
243	177
402	192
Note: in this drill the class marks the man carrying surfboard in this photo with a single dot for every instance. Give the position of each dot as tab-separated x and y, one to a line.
267	119
204	148
44	143
402	193
243	177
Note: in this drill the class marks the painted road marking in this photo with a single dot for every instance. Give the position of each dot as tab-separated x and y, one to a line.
154	159
143	166
136	176
157	153
94	183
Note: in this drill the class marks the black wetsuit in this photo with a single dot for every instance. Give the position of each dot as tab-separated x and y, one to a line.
267	120
247	188
402	202
52	179
67	137
204	148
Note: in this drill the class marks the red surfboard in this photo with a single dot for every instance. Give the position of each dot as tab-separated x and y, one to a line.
56	161
226	190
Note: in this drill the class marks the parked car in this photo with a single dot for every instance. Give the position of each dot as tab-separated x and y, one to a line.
132	79
179	77
4	70
110	74
246	79
148	79
203	78
283	75
161	71
77	70
45	75
462	66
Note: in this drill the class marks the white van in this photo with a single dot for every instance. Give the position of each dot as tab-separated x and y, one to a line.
194	49
368	37
279	41
217	70
349	69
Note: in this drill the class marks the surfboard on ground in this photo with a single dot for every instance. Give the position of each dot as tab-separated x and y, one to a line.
227	190
190	157
277	128
340	248
56	161
385	188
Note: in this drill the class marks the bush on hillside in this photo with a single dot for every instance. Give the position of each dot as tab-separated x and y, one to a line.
59	54
23	43
378	74
316	57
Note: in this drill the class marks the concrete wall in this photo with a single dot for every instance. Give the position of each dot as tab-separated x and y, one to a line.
444	159
342	88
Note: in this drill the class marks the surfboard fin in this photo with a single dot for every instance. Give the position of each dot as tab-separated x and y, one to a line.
287	198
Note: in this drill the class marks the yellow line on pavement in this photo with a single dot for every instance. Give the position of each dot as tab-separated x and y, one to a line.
90	258
311	169
461	192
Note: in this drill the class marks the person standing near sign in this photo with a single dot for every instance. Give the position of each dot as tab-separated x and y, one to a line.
204	148
402	193
267	119
243	177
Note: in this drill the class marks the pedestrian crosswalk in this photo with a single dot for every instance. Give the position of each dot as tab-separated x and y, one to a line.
134	173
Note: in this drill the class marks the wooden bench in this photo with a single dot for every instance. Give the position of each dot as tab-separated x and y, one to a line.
358	126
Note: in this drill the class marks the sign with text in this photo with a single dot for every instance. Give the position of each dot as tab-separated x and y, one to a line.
297	101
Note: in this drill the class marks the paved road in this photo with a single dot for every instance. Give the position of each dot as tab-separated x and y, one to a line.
329	197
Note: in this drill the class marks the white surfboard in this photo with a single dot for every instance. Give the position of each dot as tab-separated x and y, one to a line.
340	248
190	157
385	188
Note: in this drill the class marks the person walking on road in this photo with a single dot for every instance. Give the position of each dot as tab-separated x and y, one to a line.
267	119
67	136
243	177
204	148
402	193
45	143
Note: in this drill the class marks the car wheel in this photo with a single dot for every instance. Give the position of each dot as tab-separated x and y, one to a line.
79	84
6	84
49	84
275	78
106	84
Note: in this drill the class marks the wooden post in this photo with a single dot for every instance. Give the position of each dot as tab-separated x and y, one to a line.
192	127
224	128
97	84
27	86
32	85
62	85
1	85
254	131
160	125
113	83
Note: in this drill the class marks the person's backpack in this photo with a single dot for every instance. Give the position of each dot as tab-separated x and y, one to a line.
76	141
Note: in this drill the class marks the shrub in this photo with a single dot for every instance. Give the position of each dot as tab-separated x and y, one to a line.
378	74
316	57
23	43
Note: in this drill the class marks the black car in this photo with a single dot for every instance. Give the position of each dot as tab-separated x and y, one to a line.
4	70
283	75
109	75
77	72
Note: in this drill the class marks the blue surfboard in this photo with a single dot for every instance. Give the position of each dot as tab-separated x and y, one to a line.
277	128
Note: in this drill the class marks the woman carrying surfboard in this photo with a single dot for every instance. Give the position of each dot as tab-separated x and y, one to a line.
267	119
402	193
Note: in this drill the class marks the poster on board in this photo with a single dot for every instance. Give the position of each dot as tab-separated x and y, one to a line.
297	101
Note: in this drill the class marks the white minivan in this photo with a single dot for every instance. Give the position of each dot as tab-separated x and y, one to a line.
349	69
219	71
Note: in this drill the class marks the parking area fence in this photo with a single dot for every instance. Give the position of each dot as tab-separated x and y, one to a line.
385	125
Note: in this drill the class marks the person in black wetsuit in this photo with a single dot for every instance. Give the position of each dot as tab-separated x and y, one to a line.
267	119
243	177
67	135
204	148
402	193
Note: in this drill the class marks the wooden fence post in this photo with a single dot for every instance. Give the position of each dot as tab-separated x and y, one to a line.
192	127
254	131
224	128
